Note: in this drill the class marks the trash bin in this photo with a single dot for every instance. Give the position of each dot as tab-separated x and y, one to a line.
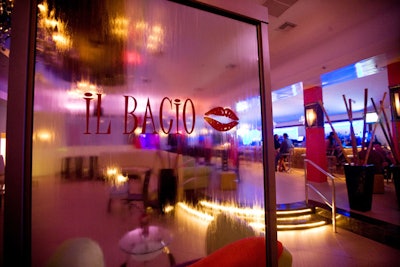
360	184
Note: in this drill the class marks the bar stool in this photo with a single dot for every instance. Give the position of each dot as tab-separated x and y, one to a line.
331	164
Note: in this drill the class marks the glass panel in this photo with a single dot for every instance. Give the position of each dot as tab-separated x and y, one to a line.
5	26
143	110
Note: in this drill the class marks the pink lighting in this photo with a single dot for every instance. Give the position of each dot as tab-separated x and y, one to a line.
132	57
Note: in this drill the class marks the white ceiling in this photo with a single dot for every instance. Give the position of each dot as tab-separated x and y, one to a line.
328	35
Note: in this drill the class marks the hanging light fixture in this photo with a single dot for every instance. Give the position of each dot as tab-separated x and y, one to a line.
313	115
395	102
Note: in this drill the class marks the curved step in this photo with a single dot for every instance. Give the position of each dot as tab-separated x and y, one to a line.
291	216
296	216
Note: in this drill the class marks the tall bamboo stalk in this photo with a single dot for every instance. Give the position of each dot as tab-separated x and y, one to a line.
352	135
364	118
373	131
391	143
388	140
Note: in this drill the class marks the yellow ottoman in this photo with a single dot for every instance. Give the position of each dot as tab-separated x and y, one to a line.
228	180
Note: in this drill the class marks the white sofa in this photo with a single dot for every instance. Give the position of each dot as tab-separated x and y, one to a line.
193	176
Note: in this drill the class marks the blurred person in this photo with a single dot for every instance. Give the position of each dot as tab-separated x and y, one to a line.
285	147
334	149
387	156
277	145
330	144
374	157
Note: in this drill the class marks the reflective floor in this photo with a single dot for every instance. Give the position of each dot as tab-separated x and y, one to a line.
322	247
62	209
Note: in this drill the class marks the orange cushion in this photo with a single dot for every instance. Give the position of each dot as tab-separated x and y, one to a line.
245	252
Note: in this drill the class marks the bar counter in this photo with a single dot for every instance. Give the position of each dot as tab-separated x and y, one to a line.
299	154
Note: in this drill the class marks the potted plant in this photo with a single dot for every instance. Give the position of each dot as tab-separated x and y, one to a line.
394	168
359	174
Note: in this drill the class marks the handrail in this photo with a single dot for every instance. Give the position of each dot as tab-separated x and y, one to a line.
307	185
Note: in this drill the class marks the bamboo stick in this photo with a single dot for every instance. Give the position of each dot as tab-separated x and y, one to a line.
364	118
352	135
346	105
395	155
373	131
382	126
334	132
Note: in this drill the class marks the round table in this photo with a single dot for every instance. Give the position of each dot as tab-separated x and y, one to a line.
145	244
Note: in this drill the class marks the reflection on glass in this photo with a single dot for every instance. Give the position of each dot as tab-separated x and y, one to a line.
154	90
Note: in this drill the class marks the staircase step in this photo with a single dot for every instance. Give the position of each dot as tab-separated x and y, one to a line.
296	216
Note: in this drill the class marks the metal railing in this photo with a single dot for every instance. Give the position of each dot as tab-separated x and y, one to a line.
332	204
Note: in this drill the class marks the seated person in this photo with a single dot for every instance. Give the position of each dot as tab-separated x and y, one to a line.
330	144
387	155
284	149
334	149
277	144
375	158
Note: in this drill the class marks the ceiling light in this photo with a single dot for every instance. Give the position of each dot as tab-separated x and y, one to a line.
350	72
288	91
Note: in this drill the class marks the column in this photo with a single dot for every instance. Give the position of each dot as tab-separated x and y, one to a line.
393	70
315	135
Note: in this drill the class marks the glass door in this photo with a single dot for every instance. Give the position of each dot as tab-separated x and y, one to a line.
148	136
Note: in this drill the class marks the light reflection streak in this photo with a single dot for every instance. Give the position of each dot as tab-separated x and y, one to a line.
255	217
205	211
195	213
231	208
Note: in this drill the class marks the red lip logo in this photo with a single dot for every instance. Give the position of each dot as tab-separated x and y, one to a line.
225	112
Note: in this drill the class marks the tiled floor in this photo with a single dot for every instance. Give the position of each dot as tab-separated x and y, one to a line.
64	209
322	247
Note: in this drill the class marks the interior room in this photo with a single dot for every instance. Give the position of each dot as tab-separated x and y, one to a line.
148	126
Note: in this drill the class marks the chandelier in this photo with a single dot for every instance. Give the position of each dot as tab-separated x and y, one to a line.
5	21
53	33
